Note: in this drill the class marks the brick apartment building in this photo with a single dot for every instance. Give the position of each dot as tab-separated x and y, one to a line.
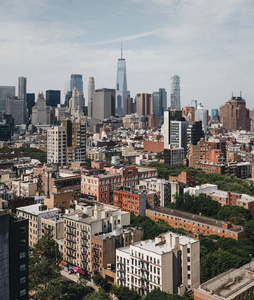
195	223
153	146
103	247
185	178
134	202
102	185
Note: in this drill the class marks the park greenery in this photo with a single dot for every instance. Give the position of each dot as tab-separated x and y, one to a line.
34	153
152	229
225	182
204	205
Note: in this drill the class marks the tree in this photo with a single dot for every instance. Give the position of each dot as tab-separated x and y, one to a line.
102	282
44	271
100	295
124	293
249	230
235	214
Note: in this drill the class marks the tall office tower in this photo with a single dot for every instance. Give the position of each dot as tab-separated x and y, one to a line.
194	132
178	134
41	112
215	112
76	82
30	101
22	88
75	141
5	93
188	113
17	108
121	86
235	115
53	97
91	90
14	257
22	94
104	103
175	93
194	103
76	103
157	104
144	104
129	105
201	114
67	98
56	145
169	115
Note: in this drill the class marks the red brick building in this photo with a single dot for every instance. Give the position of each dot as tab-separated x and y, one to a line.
154	146
131	202
235	115
184	177
195	223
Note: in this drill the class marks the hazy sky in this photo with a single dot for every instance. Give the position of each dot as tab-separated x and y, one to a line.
208	43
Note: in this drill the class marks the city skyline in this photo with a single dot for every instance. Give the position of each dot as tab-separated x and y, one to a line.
207	43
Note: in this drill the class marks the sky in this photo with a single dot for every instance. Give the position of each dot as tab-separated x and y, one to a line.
208	43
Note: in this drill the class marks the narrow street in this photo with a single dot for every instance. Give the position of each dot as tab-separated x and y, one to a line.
74	277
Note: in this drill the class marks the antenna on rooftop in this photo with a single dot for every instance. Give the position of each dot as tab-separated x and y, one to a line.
121	50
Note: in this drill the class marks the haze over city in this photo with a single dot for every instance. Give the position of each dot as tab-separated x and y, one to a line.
208	43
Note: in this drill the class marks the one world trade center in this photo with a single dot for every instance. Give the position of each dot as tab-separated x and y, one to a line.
121	86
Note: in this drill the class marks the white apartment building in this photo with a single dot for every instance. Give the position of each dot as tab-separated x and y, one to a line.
157	185
170	263
56	145
34	213
24	188
81	225
201	189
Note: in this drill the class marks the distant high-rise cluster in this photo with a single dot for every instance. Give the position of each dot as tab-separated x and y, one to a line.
175	93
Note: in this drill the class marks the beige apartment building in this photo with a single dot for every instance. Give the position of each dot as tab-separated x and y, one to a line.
34	213
80	226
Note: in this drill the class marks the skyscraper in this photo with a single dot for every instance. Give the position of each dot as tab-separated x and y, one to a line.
91	89
144	104
22	95
215	112
175	93
159	102
103	103
235	115
22	88
121	86
194	103
76	82
202	115
30	101
53	97
5	93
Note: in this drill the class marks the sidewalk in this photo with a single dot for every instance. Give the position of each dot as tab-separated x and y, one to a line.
75	278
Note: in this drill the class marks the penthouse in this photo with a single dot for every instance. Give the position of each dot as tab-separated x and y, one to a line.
195	223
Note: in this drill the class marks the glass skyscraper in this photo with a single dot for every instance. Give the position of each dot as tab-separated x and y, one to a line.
121	86
77	82
175	93
159	102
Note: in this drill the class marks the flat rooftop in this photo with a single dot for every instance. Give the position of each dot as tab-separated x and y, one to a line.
157	247
34	209
196	218
230	283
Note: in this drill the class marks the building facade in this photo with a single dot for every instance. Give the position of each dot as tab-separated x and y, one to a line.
175	102
169	263
56	145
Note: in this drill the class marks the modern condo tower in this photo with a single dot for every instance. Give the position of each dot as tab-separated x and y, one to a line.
76	82
121	86
175	93
91	90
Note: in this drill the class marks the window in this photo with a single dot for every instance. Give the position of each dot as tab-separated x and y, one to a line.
22	292
22	242
188	250
22	267
22	279
22	229
22	254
